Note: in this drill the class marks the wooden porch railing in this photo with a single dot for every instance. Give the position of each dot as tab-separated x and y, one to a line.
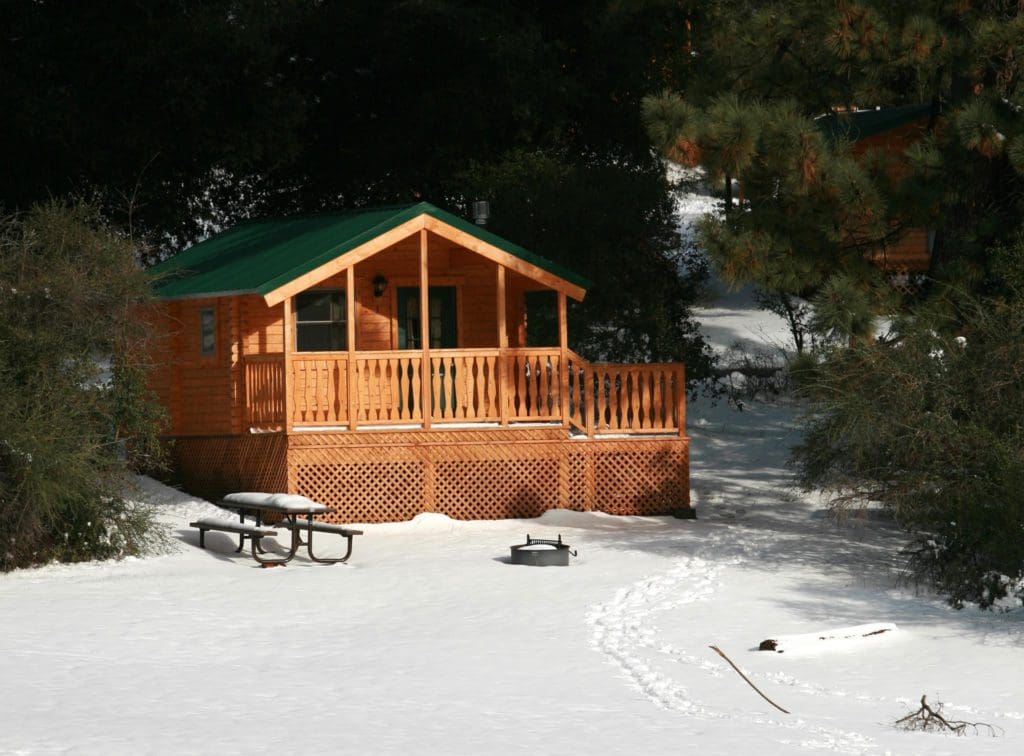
264	389
609	398
467	386
319	388
389	387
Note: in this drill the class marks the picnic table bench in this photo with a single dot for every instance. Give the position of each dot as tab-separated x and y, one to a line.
312	526
244	530
296	515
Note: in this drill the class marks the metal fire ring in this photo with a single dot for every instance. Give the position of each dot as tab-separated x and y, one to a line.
542	553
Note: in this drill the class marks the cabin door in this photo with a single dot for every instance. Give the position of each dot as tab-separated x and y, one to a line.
443	333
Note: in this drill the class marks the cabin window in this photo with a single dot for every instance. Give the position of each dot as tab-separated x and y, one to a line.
207	330
320	321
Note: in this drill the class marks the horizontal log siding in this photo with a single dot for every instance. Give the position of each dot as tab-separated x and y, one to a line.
373	314
261	326
472	276
204	389
478	319
893	141
161	353
908	253
228	392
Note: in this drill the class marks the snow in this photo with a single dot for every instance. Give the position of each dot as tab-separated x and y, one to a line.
727	324
430	642
731	320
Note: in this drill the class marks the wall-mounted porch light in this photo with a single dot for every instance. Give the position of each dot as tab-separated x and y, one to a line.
379	285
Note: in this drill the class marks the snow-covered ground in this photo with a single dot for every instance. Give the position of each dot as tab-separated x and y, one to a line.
430	642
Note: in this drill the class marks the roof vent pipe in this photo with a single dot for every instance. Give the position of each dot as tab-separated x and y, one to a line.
481	212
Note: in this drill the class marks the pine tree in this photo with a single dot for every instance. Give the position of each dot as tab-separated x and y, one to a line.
811	211
926	420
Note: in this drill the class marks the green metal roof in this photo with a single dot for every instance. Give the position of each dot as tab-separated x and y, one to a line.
259	256
861	124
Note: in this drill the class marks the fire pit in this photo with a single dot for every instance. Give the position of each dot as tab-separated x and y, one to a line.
542	553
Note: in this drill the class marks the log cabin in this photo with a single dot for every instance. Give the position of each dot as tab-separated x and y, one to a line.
377	361
890	131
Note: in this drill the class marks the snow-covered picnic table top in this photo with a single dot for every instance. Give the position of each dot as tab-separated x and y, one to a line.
272	502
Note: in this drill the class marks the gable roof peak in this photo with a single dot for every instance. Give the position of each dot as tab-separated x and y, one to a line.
262	256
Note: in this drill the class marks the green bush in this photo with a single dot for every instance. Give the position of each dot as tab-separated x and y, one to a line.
75	413
931	425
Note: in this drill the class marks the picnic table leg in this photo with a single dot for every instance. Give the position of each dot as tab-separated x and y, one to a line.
271	562
241	536
259	524
313	557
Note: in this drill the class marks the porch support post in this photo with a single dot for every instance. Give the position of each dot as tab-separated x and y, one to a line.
503	371
563	358
289	347
427	379
351	373
681	400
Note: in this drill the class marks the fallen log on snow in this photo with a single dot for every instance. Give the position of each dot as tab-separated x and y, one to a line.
844	636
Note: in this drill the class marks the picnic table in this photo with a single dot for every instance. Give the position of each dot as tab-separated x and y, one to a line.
291	512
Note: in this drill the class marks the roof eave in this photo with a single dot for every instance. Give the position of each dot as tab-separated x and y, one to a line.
205	295
289	284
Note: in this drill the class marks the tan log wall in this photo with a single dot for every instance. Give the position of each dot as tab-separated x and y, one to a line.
202	393
910	252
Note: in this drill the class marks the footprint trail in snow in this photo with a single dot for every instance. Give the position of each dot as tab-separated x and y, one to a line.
624	631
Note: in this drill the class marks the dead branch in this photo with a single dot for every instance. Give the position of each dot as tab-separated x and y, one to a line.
721	653
927	719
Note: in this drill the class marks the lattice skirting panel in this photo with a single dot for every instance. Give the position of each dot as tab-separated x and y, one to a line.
365	486
632	478
211	466
386	480
393	476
